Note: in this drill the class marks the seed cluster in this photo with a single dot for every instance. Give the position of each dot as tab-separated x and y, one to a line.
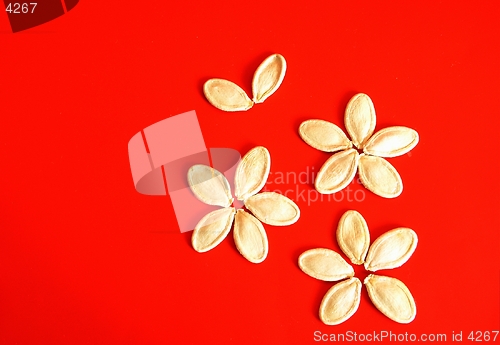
211	187
390	250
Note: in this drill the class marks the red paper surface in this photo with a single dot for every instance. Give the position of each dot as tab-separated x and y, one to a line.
86	259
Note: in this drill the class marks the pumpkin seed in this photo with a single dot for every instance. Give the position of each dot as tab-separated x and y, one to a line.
391	297
250	237
273	208
324	136
360	119
340	302
268	77
379	176
392	142
209	185
353	236
252	172
226	95
324	264
391	250
212	229
337	172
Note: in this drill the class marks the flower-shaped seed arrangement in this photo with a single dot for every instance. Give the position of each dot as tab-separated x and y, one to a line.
226	95
375	172
390	250
212	188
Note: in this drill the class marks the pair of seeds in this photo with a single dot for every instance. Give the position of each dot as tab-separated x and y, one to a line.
390	250
212	188
226	95
389	295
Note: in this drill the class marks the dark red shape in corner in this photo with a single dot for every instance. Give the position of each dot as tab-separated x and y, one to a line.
45	10
70	4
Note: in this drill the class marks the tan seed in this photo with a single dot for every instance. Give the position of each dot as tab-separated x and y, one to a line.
250	237
273	208
360	119
340	302
268	77
226	95
391	297
337	172
324	136
391	250
392	142
252	172
379	176
325	264
212	229
209	185
353	236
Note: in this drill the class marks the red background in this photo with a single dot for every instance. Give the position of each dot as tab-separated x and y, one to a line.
85	259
